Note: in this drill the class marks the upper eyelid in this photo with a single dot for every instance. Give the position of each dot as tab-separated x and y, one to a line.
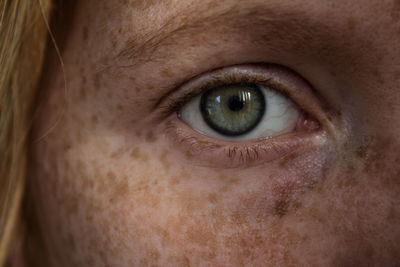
285	81
194	87
214	81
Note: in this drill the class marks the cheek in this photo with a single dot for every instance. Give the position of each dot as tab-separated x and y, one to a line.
118	201
84	190
357	209
106	200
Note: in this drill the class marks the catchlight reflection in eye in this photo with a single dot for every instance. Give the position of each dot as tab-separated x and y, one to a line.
241	112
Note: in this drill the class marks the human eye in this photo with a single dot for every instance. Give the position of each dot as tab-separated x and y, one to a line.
241	111
244	115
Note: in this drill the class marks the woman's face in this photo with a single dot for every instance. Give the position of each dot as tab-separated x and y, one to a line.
221	133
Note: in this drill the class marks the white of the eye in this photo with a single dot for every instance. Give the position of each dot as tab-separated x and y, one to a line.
280	117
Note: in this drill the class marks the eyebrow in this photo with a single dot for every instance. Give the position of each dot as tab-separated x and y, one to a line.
288	27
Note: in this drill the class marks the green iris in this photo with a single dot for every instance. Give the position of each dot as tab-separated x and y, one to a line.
234	109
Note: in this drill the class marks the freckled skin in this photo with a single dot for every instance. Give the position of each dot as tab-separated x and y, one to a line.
111	189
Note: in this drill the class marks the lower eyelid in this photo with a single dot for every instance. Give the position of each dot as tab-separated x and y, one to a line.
205	151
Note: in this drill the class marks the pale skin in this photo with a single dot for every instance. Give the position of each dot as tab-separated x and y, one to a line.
113	185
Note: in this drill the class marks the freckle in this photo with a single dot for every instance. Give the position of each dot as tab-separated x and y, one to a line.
351	24
96	80
164	161
166	73
109	94
81	166
281	207
101	186
138	133
111	176
88	183
80	138
174	181
362	151
83	78
188	155
85	33
225	189
135	153
184	173
222	176
120	190
232	181
117	153
66	165
150	138
119	107
287	160
378	77
127	96
296	205
102	146
94	119
397	76
82	93
212	197
144	157
71	242
67	146
183	68
103	60
393	215
89	217
72	206
395	10
154	255
113	43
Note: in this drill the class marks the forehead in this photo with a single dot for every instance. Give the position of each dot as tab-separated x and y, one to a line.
376	7
147	18
162	8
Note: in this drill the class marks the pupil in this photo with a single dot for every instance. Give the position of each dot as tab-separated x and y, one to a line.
235	103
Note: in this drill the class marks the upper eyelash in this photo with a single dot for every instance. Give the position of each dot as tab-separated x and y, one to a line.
215	81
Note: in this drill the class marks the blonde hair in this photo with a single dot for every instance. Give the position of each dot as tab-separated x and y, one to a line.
23	38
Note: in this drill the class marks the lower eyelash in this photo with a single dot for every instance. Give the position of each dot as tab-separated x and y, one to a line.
244	154
202	151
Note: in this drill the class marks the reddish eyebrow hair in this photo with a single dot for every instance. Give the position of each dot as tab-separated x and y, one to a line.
268	22
275	27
